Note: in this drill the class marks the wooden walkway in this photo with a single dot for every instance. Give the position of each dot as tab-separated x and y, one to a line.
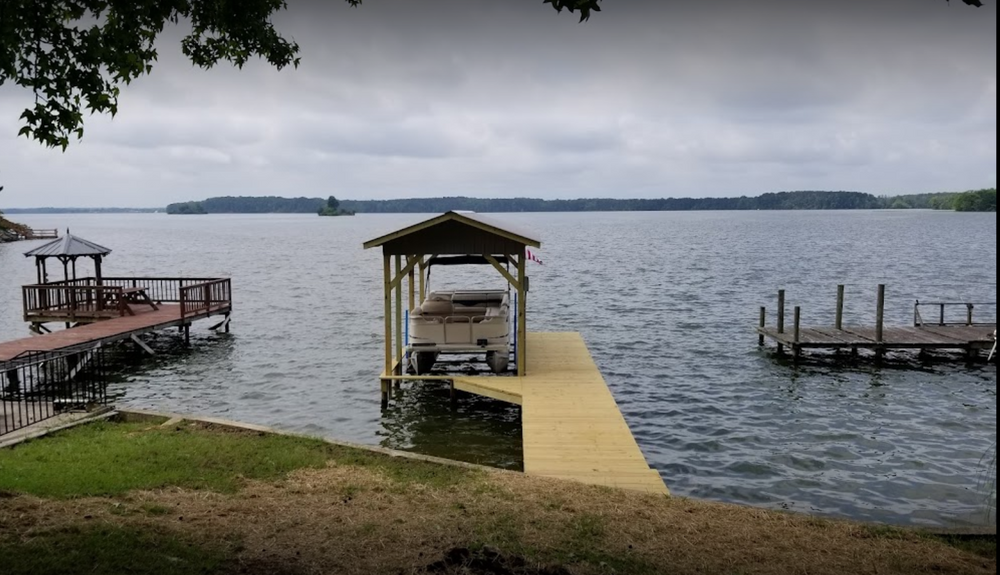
145	320
927	337
572	428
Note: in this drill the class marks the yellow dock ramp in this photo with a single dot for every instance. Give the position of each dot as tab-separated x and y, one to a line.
572	428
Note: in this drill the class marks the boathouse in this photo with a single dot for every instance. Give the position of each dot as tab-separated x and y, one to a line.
571	425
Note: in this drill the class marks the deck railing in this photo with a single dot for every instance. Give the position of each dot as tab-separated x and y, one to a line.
204	297
951	313
37	385
73	302
88	299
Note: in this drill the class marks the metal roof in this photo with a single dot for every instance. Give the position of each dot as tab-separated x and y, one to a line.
478	221
68	246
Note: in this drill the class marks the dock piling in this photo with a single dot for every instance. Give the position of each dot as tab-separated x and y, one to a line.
796	316
840	307
763	318
968	313
880	321
781	318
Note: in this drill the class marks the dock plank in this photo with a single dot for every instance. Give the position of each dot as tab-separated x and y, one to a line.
572	427
144	321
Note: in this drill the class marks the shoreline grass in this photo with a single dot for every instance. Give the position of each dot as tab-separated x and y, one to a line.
111	497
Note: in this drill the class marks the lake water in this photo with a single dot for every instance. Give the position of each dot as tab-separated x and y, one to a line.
667	303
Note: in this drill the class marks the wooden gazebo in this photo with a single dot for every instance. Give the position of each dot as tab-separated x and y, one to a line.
67	250
405	255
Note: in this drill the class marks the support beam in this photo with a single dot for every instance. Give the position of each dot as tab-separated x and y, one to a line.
142	344
399	309
387	296
507	275
423	277
402	272
522	328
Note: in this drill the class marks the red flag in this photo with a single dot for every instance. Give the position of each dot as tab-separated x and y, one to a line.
532	256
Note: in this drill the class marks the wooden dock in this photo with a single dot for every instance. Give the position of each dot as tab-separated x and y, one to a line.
145	320
944	332
571	425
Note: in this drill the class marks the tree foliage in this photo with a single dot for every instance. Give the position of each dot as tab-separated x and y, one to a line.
74	55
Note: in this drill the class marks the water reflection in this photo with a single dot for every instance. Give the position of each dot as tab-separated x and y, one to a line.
421	417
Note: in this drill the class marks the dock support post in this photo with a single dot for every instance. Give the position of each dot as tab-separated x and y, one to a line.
968	313
387	305
840	307
187	334
781	319
763	319
795	348
399	310
423	287
522	306
879	320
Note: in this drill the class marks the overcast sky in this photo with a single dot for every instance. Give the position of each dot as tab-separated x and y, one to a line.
487	98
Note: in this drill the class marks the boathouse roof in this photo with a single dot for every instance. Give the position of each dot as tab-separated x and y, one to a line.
68	246
454	233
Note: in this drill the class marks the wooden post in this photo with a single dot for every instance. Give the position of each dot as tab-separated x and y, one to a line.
879	313
423	287
763	318
411	287
968	314
879	321
781	318
796	315
522	306
941	321
840	307
387	300
187	334
399	310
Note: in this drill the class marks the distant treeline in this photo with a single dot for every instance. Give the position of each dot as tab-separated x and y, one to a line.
82	210
971	201
978	200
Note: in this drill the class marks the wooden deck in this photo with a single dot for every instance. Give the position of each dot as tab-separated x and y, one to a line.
145	320
572	428
926	337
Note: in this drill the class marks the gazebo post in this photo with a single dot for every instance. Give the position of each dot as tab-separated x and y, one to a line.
74	268
387	276
522	305
97	269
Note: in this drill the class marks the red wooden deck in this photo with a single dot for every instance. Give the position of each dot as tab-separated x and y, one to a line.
145	320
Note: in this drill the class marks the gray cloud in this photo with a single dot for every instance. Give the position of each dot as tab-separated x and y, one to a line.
443	97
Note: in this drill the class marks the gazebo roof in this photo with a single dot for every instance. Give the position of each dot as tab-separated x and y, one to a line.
68	246
455	233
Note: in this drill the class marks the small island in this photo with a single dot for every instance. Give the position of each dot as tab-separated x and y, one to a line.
332	208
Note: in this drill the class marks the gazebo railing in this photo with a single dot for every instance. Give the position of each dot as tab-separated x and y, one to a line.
73	302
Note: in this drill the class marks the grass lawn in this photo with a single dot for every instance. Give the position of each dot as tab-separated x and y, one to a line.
115	497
